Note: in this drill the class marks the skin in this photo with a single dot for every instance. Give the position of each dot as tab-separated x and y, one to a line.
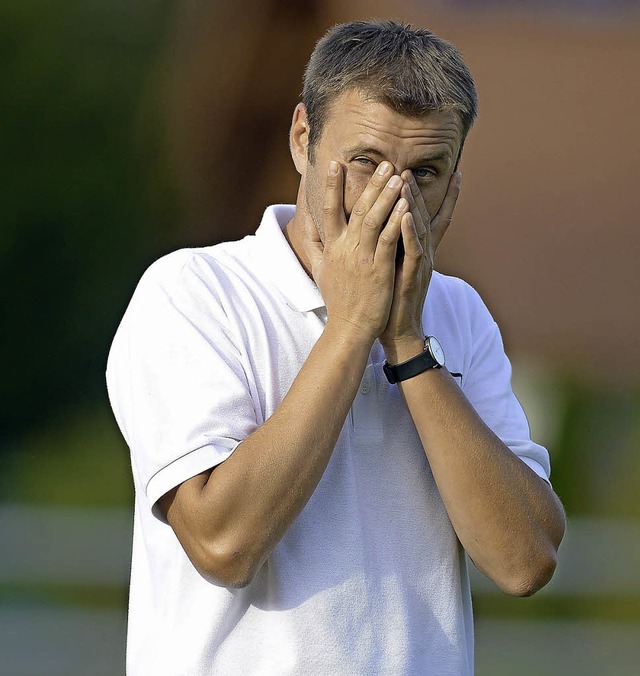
377	178
420	154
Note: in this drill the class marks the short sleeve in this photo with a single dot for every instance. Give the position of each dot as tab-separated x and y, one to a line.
176	380
487	385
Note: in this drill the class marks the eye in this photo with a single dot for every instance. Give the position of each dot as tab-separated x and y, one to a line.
364	161
422	173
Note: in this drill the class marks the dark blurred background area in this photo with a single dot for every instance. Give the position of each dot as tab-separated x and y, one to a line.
77	219
129	129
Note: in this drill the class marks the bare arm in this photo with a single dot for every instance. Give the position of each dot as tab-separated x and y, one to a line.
509	520
228	520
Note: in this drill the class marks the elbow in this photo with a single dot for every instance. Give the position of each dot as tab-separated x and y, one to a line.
531	577
535	565
225	566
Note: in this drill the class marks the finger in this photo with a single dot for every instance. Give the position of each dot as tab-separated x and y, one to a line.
444	216
416	194
332	208
413	249
387	242
376	218
374	187
422	226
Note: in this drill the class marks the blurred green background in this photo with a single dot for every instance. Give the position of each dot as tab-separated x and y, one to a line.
127	127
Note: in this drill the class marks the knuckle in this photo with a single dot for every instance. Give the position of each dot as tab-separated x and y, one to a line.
359	209
332	181
329	209
414	190
378	181
370	223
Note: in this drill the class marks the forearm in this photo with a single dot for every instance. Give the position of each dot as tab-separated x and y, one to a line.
248	502
229	520
508	519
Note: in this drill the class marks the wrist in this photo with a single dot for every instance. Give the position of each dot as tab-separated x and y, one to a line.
431	357
399	350
349	334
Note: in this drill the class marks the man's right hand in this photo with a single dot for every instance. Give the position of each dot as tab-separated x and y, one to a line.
229	519
354	267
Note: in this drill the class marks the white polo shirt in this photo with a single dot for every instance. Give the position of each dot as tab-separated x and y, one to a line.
370	578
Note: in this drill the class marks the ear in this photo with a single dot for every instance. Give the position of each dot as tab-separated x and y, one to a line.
299	138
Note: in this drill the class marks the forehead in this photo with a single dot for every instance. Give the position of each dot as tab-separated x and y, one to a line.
356	120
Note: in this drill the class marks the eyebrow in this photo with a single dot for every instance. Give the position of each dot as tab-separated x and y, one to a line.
440	155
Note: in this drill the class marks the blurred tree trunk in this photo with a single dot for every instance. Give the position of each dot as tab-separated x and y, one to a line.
234	79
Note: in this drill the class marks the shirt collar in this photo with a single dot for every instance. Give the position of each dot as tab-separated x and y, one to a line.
297	289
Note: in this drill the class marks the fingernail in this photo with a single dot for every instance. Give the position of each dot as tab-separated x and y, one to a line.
333	168
402	204
394	182
383	168
458	178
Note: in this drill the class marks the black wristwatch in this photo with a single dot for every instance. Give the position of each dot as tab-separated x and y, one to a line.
431	358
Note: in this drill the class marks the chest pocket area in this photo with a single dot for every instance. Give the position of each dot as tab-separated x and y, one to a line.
367	416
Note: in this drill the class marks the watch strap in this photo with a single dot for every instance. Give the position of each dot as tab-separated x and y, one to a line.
410	368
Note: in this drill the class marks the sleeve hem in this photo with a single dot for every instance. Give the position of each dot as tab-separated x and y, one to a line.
536	467
185	467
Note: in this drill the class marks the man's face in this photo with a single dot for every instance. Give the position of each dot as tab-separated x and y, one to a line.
359	133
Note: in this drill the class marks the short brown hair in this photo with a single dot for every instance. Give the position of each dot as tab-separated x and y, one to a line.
409	69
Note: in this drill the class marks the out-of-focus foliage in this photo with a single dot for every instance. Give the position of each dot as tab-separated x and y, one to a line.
595	467
77	460
75	202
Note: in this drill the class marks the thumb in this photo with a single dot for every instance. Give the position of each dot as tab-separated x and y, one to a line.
313	243
444	217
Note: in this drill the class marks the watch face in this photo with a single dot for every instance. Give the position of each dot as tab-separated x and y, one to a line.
436	350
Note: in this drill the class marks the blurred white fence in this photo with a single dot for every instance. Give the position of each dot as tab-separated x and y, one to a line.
92	547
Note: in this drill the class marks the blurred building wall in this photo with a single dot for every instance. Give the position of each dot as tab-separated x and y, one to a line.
547	223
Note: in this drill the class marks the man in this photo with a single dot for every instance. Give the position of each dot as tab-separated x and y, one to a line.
309	469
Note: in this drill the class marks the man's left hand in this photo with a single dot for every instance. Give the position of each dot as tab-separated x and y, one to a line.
421	236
